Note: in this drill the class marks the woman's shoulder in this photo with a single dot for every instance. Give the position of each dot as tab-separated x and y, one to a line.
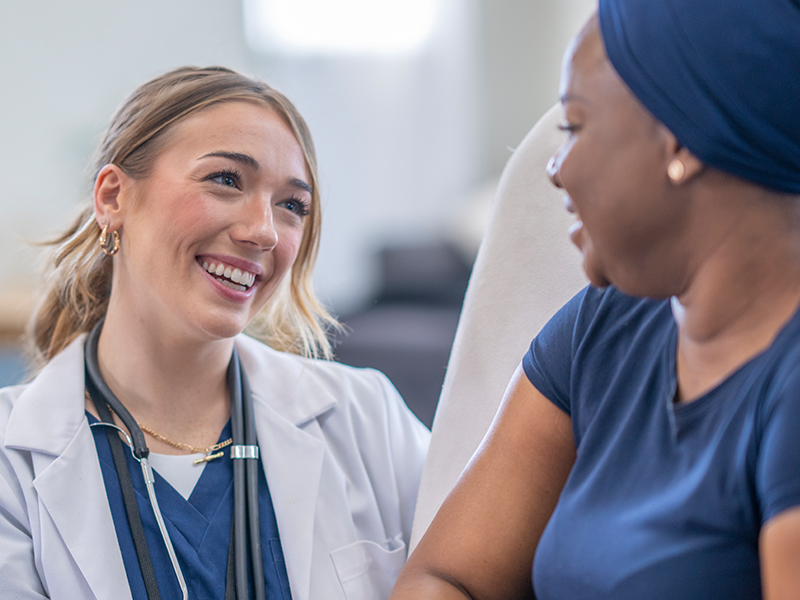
300	385
780	362
8	398
46	412
604	315
610	301
264	356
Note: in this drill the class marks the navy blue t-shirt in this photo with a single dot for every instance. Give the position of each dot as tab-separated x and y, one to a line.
665	500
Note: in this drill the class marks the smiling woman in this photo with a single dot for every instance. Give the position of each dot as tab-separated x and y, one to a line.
154	114
646	446
230	189
204	220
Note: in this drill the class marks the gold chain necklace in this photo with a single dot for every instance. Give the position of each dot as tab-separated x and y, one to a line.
210	451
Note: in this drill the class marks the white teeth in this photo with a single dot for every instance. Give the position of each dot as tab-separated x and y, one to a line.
237	276
233	286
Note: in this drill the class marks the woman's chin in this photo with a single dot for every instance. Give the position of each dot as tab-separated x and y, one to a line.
218	328
593	270
596	279
575	233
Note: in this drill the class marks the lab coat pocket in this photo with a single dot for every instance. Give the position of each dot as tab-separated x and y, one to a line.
367	570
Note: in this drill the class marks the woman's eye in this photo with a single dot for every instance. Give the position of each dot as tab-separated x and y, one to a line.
226	178
568	127
296	205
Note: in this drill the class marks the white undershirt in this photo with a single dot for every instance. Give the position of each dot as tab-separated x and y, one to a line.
179	470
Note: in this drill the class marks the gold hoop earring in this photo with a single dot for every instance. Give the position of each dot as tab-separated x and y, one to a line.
109	246
676	170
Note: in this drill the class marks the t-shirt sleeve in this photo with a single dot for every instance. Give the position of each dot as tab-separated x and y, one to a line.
778	462
548	362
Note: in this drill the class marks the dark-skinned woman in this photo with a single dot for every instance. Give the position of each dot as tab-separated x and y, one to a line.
647	446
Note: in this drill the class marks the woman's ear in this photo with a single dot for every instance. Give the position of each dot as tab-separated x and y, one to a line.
682	165
111	196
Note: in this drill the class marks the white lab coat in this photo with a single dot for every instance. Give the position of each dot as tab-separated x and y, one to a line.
341	452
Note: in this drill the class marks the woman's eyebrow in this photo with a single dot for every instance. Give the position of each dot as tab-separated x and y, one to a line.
299	183
239	157
251	162
569	97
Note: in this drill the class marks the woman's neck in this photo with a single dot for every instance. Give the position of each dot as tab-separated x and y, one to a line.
175	386
745	288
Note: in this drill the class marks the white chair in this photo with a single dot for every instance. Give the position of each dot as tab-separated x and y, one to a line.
525	270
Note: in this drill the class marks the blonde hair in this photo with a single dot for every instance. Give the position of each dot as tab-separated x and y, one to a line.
79	275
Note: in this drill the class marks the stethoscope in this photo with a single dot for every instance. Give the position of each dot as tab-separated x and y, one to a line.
245	479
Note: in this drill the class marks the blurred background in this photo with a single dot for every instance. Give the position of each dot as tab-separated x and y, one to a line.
415	106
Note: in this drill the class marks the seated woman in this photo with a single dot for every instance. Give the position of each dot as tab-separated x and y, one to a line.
647	446
276	474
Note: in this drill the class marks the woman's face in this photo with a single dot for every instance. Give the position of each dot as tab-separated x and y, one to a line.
210	233
613	170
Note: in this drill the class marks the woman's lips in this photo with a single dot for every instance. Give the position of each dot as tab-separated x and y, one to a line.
577	227
234	262
575	231
228	289
228	274
233	283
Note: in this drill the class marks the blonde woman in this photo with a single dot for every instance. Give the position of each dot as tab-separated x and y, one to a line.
161	453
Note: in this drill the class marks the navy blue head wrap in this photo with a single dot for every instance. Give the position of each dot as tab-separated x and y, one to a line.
722	75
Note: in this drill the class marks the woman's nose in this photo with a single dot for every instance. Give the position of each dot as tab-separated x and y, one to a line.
553	166
256	225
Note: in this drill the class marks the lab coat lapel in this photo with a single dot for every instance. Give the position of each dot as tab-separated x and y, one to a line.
292	462
48	419
83	520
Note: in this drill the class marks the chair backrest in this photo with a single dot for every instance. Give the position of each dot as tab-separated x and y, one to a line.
525	270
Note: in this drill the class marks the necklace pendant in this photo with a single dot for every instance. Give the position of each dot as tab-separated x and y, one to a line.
208	457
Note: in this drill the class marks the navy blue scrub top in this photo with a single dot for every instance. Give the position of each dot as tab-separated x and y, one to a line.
200	527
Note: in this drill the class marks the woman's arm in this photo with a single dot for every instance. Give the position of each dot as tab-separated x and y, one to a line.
482	541
779	546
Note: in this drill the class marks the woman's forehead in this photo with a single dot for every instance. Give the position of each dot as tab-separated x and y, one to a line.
236	126
231	117
587	74
591	85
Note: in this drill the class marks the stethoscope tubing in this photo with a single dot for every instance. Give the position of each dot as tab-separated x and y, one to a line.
140	450
149	481
239	486
253	513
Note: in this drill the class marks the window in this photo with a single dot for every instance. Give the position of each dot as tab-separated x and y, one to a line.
338	26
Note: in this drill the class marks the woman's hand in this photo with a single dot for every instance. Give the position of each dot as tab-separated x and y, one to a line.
482	541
